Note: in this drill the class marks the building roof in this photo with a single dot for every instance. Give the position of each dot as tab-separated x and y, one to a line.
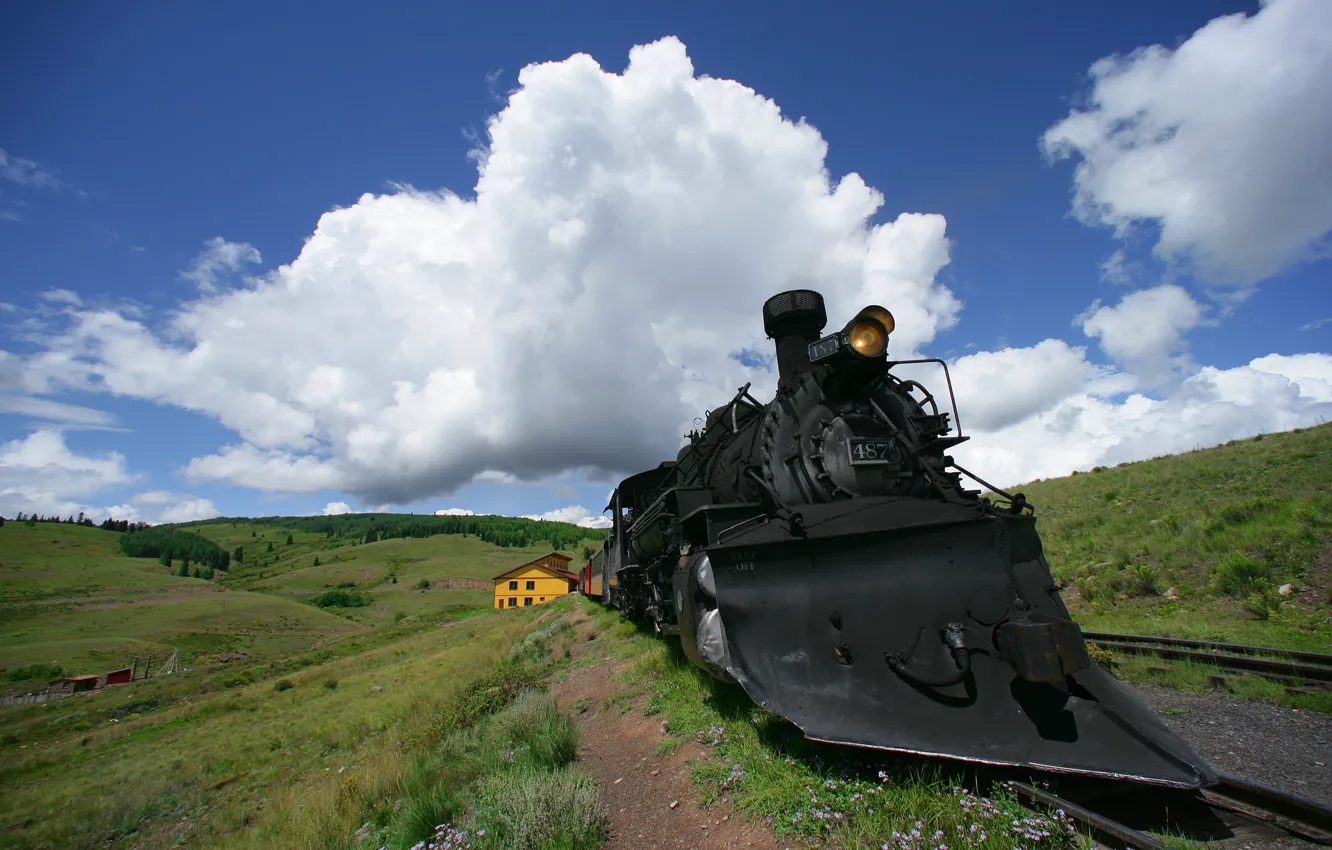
536	562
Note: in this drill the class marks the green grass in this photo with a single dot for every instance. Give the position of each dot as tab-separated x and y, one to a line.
807	791
458	570
1198	544
392	729
69	598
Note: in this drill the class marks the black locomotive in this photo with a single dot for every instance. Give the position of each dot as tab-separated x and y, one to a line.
822	551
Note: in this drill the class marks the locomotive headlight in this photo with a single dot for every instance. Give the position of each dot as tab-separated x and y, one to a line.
867	337
885	318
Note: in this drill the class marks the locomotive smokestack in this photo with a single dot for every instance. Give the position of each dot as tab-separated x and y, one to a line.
794	319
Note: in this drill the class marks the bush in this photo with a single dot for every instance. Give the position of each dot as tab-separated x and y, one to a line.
530	808
1239	575
535	728
331	684
424	584
283	685
34	671
1250	508
341	599
1101	656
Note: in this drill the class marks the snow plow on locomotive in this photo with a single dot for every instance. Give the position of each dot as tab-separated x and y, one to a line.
821	551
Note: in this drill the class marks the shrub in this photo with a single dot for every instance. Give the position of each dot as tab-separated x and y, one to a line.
331	684
1250	508
1239	575
535	726
283	685
1142	580
424	584
529	808
341	599
34	671
1103	658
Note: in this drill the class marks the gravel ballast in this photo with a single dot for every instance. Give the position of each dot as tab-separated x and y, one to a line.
1283	747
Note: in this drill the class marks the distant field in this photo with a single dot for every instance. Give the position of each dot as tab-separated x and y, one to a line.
68	597
448	563
1199	544
255	755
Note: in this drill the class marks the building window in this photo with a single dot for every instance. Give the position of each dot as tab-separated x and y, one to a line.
531	585
527	601
513	585
513	603
543	599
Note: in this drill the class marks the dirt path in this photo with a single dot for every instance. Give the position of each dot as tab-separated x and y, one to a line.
648	795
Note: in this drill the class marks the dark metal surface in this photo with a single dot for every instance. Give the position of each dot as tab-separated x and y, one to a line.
778	604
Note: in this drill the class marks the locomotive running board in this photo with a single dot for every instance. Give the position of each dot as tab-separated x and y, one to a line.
808	623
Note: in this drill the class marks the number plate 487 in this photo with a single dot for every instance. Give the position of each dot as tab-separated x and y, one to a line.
865	451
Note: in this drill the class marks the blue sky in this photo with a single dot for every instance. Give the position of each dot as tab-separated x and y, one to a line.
135	135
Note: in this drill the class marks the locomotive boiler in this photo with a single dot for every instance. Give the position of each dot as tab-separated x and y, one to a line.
822	551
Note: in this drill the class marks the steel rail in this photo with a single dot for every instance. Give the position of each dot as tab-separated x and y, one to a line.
1295	807
1104	827
1286	670
1235	648
1292	814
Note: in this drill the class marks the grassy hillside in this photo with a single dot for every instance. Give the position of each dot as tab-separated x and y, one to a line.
1199	544
68	597
456	570
380	736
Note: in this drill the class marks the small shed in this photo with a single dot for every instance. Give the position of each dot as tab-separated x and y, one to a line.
541	580
81	683
120	677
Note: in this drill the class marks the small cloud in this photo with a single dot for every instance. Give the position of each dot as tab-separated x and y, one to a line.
138	249
454	512
1313	326
574	514
25	172
335	508
1115	268
55	411
218	258
492	83
190	510
153	497
62	296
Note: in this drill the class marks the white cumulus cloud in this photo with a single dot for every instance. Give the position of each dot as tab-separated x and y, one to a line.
440	337
219	258
1221	142
40	474
187	510
336	508
574	514
1272	393
454	512
1145	330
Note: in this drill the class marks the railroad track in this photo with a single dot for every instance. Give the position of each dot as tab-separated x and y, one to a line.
1235	809
1294	667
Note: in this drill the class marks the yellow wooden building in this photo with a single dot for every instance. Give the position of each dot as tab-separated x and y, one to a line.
535	582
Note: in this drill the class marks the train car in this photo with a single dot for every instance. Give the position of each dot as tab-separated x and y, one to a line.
593	584
821	551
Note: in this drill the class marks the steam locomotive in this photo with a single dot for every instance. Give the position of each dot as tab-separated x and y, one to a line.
822	551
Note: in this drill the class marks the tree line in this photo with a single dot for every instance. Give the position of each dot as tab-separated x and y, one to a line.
170	545
107	524
369	528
